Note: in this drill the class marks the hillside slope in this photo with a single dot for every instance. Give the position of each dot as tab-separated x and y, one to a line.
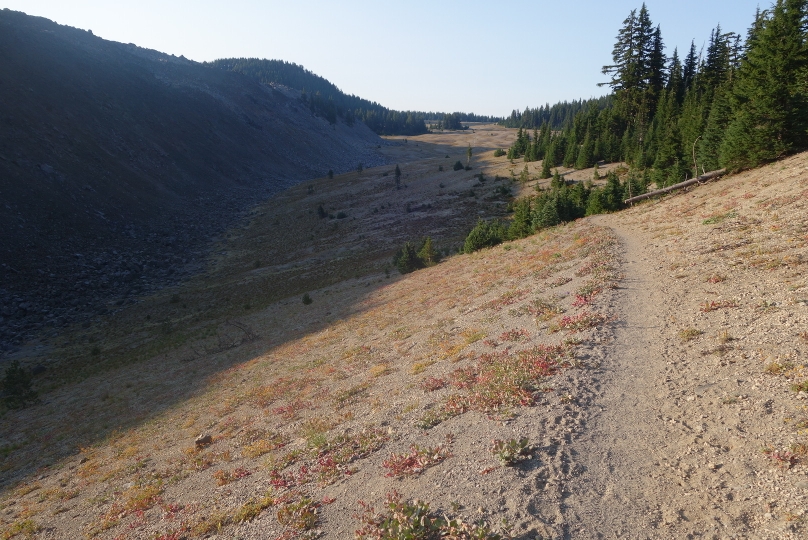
650	358
107	146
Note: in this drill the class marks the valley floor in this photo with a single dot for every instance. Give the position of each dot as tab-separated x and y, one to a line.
633	375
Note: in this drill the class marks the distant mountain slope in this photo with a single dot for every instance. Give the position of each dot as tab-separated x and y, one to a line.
325	99
106	146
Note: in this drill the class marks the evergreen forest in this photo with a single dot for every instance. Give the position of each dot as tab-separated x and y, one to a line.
326	100
739	103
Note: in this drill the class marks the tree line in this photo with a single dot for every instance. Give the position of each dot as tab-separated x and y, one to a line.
740	103
324	99
558	116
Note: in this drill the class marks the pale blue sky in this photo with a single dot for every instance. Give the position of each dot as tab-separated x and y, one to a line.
446	55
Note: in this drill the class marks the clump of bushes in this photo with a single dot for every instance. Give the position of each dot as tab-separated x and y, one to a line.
485	234
409	259
562	202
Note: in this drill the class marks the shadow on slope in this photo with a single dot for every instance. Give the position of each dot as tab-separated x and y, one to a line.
129	367
118	164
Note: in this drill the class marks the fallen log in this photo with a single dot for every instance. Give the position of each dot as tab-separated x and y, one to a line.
680	185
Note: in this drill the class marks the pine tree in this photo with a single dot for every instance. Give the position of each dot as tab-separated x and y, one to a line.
656	69
547	215
520	226
669	142
571	152
584	159
709	148
633	70
691	67
695	109
427	254
769	100
407	260
675	78
557	180
545	166
524	176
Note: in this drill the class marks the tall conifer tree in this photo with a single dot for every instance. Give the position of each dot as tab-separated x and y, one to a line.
770	105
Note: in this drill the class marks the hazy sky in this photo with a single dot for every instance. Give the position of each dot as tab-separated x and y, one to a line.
438	55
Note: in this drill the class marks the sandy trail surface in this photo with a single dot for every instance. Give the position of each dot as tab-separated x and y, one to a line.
615	496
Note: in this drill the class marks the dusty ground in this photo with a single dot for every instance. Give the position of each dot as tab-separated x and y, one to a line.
647	357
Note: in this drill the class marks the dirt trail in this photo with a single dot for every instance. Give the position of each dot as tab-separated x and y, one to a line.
672	448
615	496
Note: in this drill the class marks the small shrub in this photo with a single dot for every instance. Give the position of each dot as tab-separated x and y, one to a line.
706	307
415	461
431	384
413	520
225	477
341	215
457	166
252	509
784	459
420	367
321	212
434	417
514	335
580	322
719	218
26	527
16	387
499	152
511	451
563	280
213	523
307	299
687	334
330	174
299	515
263	445
440	169
380	370
800	387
